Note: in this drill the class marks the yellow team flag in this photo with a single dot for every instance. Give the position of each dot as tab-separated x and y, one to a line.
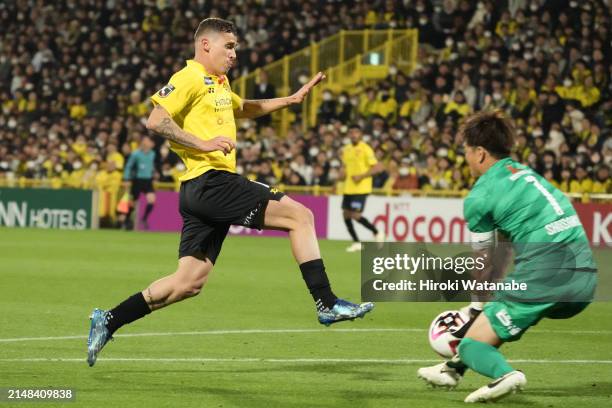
124	204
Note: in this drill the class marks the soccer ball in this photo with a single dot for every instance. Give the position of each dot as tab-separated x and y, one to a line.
441	332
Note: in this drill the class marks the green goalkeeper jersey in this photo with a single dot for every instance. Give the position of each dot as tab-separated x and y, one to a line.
546	233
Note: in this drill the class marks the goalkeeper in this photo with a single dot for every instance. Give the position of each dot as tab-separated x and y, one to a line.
552	256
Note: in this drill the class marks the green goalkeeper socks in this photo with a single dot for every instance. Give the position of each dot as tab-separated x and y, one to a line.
483	358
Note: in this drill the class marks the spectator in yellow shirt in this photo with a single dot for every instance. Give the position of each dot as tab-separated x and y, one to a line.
582	183
603	182
114	156
74	179
387	107
368	105
79	146
458	107
77	109
108	182
137	108
549	176
588	94
568	90
564	185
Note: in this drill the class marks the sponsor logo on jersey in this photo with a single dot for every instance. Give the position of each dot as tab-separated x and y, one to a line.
504	318
223	102
165	91
208	81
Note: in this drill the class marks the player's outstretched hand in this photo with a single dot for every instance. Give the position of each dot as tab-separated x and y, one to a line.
299	96
221	143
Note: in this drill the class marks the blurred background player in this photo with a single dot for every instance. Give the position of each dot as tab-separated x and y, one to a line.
359	165
552	252
138	179
196	111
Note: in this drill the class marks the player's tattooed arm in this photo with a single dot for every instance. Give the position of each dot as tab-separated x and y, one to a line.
161	123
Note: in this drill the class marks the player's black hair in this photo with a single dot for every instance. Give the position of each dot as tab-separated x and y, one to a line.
214	24
354	126
490	130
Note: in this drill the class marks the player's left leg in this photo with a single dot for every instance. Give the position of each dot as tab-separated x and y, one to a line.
357	215
291	216
188	280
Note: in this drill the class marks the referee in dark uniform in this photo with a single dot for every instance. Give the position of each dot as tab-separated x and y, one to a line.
138	177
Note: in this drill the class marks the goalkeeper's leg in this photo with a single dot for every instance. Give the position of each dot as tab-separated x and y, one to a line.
479	351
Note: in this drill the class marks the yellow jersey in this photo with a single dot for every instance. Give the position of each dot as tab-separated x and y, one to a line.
358	159
203	105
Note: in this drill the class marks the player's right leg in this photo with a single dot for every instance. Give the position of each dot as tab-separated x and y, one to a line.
291	216
144	220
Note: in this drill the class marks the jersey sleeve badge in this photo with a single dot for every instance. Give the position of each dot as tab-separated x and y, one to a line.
165	91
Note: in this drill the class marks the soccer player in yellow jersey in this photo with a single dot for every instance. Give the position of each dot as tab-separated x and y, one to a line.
196	111
359	165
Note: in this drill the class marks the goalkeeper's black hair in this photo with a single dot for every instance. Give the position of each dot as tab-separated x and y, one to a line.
490	130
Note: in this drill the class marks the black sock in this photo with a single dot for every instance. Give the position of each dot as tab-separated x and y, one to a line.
128	217
148	210
351	229
133	308
316	280
364	221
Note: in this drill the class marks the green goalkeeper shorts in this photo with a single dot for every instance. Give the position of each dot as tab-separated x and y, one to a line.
511	319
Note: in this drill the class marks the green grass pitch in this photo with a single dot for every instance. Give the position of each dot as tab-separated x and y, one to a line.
251	338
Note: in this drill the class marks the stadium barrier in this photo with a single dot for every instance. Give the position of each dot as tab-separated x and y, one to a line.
48	208
108	196
402	218
346	56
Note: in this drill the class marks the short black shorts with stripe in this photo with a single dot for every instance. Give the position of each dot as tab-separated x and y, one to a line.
212	202
141	186
354	202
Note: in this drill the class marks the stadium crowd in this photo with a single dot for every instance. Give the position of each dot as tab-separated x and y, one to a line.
75	76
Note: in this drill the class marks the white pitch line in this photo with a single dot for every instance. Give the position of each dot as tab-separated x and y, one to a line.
284	360
219	332
278	331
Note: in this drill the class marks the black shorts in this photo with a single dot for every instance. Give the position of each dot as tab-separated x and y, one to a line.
212	202
354	202
141	186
